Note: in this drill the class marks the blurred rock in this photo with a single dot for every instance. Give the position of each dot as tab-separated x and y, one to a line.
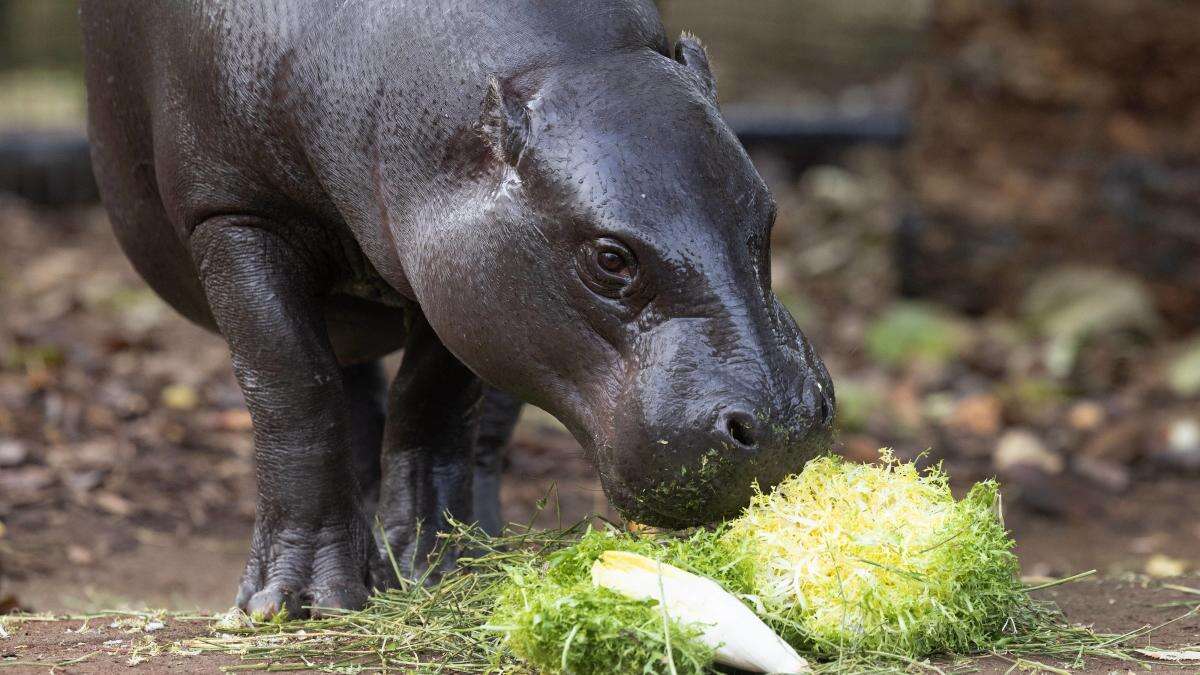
938	406
1074	306
79	555
1109	475
13	453
996	348
113	503
1149	543
835	188
1121	443
956	446
1038	491
1176	442
1022	448
23	485
84	481
1183	374
122	399
1183	435
1078	301
827	256
1086	416
1164	566
978	414
96	454
907	333
47	272
1033	400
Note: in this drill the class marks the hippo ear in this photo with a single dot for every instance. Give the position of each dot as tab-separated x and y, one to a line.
691	53
504	123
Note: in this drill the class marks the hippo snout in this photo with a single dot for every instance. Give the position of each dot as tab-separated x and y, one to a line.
690	444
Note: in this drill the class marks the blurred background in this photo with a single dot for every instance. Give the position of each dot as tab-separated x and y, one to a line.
989	225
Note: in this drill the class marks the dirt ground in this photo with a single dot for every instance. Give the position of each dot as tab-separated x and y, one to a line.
125	449
125	466
115	643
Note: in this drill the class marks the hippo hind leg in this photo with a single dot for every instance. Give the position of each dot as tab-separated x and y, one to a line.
366	401
497	416
428	455
311	547
366	394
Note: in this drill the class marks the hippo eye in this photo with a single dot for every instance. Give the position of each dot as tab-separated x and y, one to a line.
607	267
611	262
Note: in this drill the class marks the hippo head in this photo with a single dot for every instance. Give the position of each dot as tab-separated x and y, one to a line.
618	276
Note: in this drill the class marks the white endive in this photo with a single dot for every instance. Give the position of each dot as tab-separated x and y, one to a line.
740	638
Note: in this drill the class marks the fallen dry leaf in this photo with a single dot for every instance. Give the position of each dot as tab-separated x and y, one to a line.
979	414
27	479
1160	565
113	503
232	420
79	555
180	397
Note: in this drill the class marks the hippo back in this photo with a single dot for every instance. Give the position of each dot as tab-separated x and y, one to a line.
310	108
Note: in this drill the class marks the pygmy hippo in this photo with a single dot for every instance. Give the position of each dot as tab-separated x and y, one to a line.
542	196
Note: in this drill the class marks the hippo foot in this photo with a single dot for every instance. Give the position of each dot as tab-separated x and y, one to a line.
307	572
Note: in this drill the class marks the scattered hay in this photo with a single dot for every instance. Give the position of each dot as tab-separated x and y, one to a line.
453	626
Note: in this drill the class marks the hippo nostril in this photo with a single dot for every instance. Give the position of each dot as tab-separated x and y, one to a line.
740	427
824	410
819	402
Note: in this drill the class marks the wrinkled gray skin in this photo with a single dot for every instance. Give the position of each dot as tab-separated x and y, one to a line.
538	195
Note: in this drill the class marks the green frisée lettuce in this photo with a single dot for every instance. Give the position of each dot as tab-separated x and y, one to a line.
555	618
880	558
841	559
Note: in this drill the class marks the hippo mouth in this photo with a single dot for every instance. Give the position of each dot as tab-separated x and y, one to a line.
682	502
696	489
636	510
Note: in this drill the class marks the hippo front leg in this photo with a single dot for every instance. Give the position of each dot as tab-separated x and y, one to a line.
427	452
311	545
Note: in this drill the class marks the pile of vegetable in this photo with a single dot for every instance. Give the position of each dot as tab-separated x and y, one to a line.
843	558
856	567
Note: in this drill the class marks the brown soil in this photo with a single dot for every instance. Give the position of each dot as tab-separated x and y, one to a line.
125	476
1116	607
102	645
114	643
